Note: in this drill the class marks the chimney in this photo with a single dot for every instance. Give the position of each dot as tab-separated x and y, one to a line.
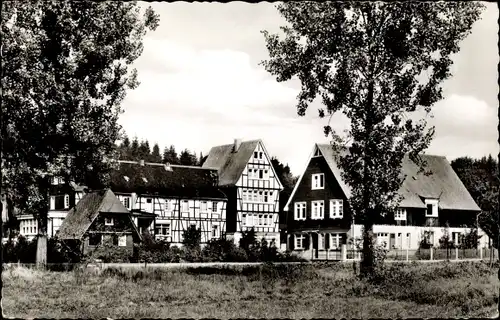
237	144
141	162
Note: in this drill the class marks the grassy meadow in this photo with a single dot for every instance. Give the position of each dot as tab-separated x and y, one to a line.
266	291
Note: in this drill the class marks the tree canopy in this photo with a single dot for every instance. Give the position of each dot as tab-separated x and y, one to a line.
66	70
377	63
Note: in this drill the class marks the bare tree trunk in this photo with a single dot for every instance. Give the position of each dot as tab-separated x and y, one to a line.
42	218
41	251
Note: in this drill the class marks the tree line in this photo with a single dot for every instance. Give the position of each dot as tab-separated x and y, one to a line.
480	177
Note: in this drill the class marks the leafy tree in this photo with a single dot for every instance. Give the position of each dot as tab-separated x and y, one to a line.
375	62
170	155
155	155
187	158
124	149
65	73
192	238
480	177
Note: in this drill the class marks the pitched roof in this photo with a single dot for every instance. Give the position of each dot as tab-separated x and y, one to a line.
81	216
229	164
157	178
439	181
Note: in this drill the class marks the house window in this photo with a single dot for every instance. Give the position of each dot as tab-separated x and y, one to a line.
335	240
255	154
162	229
456	237
122	241
167	205
400	214
215	231
108	221
149	200
321	241
52	202
383	239
336	209
260	220
408	240
260	155
270	221
429	235
317	209
94	239
244	195
185	206
300	210
204	206
432	208
214	206
261	174
251	174
126	202
318	181
255	196
66	201
244	219
299	241
266	197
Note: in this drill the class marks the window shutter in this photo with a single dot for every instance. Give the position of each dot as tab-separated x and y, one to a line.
344	239
327	240
291	244
315	240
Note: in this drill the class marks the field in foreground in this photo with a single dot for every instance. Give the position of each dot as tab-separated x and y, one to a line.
280	291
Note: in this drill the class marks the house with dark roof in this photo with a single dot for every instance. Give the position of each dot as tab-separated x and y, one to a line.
167	199
62	197
99	218
252	187
319	220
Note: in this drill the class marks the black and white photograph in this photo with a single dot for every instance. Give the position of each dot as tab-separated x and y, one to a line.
223	160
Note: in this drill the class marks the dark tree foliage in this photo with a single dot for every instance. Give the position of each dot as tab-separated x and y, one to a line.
480	177
144	151
288	181
65	72
170	155
187	158
375	62
155	155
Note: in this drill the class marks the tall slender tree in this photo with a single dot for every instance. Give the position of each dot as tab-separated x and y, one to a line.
155	155
65	71
170	155
376	62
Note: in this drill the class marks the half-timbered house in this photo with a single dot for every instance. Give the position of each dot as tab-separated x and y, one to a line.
252	187
166	199
62	197
319	219
99	218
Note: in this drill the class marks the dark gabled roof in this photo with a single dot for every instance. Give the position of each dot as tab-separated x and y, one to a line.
438	181
165	180
230	164
81	216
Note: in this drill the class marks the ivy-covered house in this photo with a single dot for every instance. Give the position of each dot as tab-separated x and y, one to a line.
99	218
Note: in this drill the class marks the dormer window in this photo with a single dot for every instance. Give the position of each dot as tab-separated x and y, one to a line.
108	221
126	178
432	208
145	180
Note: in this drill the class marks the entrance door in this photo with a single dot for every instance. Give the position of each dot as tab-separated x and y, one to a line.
392	241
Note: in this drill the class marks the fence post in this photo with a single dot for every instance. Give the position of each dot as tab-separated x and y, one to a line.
432	253
456	253
344	252
406	254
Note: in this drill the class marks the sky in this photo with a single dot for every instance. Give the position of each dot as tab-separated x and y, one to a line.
202	86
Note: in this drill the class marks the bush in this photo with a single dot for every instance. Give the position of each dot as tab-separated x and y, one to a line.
110	253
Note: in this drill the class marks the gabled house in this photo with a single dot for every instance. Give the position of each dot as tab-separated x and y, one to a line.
319	218
166	200
99	218
252	187
62	197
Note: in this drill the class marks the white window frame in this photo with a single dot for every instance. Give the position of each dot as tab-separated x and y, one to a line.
408	240
107	223
52	205
320	206
400	214
126	202
335	240
215	231
300	210
435	208
244	219
317	181
321	241
185	206
203	206
299	241
336	208
122	241
66	201
163	226
215	206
